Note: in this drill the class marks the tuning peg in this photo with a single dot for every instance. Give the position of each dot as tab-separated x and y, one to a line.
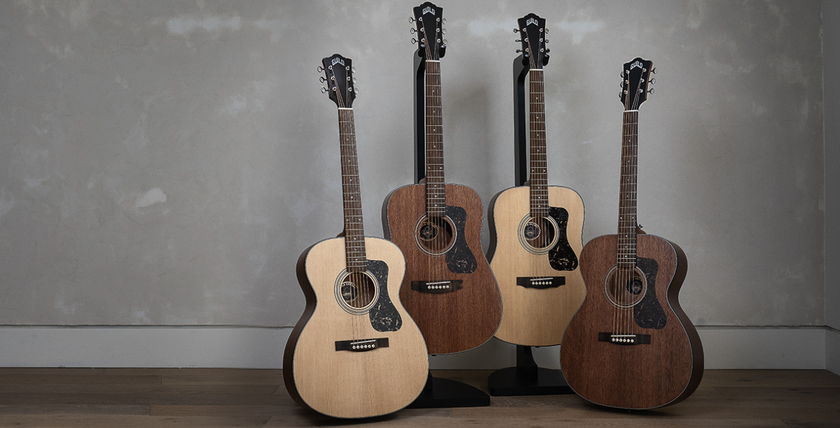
323	90
652	81
651	91
413	40
519	51
320	69
411	20
515	30
653	70
356	91
412	30
546	40
322	79
546	32
518	40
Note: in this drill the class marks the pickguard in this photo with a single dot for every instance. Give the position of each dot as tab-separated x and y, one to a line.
561	256
459	258
383	315
648	312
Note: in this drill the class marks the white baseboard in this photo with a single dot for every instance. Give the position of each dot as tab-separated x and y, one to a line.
254	347
235	347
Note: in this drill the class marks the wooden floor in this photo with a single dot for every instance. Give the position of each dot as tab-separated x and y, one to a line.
257	398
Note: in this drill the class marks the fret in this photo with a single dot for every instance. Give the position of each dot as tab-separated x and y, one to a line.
626	251
538	168
435	179
354	241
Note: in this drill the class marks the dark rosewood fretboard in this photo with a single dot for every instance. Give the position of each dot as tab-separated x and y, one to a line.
354	239
435	189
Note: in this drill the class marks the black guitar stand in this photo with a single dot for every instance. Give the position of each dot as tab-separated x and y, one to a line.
526	378
438	392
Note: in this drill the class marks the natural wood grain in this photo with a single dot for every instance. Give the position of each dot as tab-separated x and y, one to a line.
343	383
662	372
216	398
450	322
533	317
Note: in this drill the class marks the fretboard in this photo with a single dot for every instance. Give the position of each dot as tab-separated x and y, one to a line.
435	183
539	172
627	204
354	239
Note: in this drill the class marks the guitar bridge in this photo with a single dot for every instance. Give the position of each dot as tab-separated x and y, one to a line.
540	282
363	345
437	287
624	339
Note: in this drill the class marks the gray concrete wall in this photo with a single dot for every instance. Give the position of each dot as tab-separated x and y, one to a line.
831	59
164	163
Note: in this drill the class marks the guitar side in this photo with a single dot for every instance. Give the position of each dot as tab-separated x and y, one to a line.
534	316
453	321
344	383
640	376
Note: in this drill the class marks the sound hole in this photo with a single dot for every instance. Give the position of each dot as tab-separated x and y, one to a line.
538	234
435	235
625	287
357	290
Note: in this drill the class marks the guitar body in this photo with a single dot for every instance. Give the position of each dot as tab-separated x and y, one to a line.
536	315
633	376
347	383
451	321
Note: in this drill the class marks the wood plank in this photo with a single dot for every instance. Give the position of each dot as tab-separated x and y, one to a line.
73	409
108	421
231	397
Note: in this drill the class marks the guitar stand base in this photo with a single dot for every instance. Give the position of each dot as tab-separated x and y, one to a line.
526	378
449	393
515	381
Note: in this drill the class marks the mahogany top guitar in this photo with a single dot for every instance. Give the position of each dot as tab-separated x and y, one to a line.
630	345
355	351
448	288
536	229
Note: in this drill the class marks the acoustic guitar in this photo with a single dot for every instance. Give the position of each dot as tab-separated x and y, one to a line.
630	345
536	229
355	351
448	288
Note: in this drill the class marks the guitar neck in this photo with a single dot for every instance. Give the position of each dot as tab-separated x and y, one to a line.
435	183
626	251
539	172
354	239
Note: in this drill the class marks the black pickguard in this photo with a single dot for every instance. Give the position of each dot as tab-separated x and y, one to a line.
649	313
383	315
459	258
561	256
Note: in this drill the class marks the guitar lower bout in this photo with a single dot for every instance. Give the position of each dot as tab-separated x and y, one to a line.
535	261
351	356
448	288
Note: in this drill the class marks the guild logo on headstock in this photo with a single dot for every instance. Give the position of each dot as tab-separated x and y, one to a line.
636	64
337	60
532	21
428	9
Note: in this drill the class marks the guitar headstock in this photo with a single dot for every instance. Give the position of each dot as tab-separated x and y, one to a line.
339	80
429	21
533	31
636	82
